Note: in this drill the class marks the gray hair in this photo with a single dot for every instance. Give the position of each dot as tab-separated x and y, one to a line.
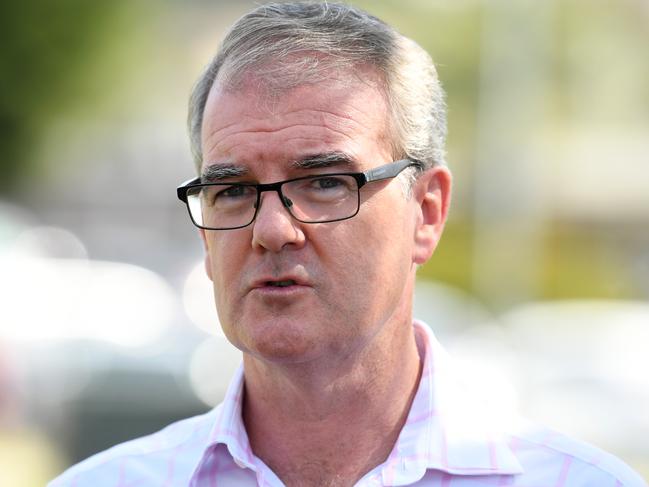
290	44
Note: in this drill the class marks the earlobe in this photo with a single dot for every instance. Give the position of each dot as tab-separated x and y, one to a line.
432	195
208	260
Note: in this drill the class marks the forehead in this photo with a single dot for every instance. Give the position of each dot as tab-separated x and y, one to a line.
253	123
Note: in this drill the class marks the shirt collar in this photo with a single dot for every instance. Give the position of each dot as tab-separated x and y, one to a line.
448	427
229	429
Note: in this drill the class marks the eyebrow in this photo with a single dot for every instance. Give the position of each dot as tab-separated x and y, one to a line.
326	159
216	172
219	171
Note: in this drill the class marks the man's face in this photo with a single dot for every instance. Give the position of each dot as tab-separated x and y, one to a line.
347	278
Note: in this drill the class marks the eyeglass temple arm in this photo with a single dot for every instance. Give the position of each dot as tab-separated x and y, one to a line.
387	171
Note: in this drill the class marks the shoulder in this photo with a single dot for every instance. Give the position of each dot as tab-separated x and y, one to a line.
551	458
150	460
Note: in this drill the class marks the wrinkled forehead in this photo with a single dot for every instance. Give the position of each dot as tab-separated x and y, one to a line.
253	122
277	86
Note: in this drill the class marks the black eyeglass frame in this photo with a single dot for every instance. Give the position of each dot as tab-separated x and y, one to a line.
386	171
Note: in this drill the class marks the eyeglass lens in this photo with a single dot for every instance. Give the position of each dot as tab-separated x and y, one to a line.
310	200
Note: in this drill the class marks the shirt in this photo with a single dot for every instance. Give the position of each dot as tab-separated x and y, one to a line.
451	438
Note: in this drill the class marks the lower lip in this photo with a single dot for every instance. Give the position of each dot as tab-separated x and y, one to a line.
279	291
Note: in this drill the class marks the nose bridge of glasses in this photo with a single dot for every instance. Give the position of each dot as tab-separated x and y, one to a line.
274	187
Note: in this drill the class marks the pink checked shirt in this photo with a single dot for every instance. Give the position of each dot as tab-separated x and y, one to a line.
450	439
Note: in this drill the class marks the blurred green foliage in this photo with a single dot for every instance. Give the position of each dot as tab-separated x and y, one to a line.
594	51
48	53
62	56
576	261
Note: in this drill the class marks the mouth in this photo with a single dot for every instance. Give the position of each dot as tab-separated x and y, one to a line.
280	284
284	283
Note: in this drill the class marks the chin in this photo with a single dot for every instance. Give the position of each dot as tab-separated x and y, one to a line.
281	342
285	356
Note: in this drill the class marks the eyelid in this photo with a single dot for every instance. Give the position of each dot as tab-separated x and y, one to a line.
306	173
334	171
326	175
225	182
342	166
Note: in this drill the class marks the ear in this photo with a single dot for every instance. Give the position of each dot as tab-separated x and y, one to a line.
208	260
432	195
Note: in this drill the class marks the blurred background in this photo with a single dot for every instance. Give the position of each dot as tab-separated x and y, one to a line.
107	327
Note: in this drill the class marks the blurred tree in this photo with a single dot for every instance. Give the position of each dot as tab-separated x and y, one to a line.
47	54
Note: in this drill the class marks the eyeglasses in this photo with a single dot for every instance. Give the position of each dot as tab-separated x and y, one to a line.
319	198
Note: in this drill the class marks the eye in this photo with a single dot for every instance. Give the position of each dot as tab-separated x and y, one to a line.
324	183
234	192
227	195
322	189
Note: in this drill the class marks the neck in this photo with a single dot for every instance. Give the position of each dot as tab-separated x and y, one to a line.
316	424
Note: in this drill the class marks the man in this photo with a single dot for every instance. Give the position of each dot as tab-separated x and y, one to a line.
318	133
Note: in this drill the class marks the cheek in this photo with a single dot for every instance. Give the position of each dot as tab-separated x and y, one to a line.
374	256
225	261
208	266
388	233
390	250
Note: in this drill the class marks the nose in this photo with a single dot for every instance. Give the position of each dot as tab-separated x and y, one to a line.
274	228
